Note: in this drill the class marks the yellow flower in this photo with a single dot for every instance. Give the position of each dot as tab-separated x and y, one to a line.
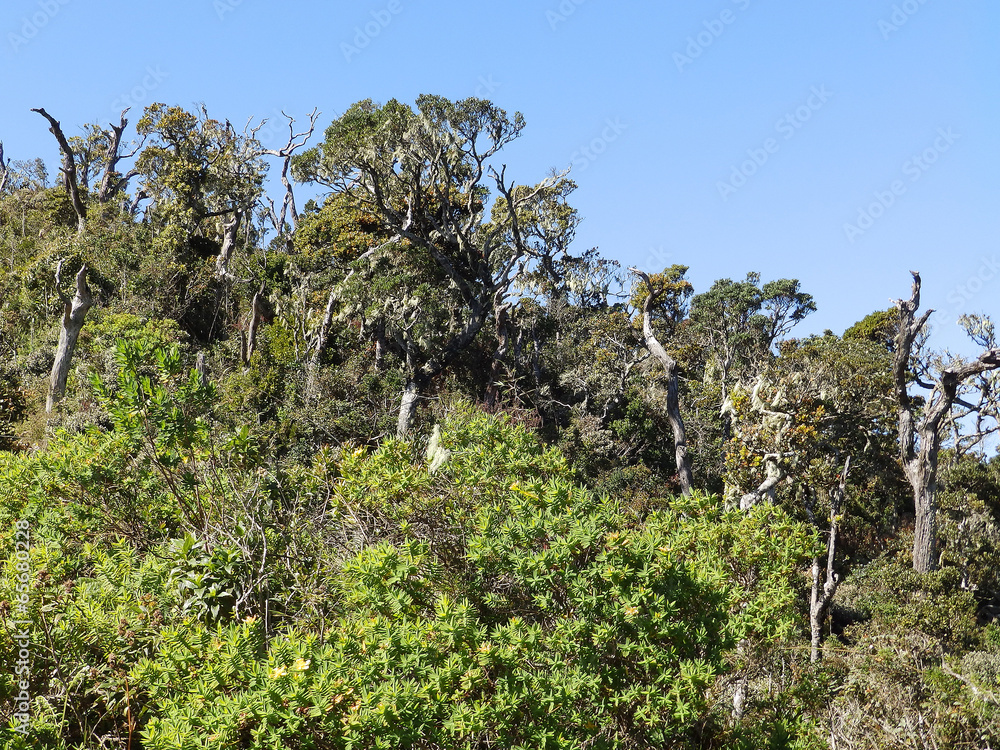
631	611
301	665
278	672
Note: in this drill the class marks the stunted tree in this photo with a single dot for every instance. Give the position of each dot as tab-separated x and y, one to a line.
665	295
921	428
426	292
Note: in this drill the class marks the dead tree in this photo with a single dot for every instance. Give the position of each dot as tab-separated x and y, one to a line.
670	369
920	439
74	313
285	153
112	183
823	591
4	170
69	170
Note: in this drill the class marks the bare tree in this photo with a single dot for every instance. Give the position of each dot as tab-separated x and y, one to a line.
920	438
294	143
4	170
68	170
74	313
112	183
670	369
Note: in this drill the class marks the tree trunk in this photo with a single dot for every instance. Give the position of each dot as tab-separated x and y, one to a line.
231	228
407	408
683	461
924	483
74	313
259	313
824	591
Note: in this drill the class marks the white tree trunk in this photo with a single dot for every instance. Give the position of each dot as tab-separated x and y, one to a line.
74	313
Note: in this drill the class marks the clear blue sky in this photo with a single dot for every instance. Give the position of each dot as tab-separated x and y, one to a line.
819	107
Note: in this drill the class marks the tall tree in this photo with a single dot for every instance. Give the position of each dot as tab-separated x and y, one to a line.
667	292
920	429
445	268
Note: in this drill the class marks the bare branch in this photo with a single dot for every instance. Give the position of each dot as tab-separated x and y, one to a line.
68	169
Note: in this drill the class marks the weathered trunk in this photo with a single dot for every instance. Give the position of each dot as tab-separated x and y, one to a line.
920	461
230	231
74	313
684	473
500	356
407	408
259	313
683	461
923	480
775	474
312	370
4	171
824	591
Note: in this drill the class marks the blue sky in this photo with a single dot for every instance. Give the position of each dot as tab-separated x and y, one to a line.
839	143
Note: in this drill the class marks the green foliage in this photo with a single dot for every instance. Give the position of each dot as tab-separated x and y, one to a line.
528	613
13	408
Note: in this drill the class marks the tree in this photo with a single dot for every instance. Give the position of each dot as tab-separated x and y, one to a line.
667	293
196	169
920	436
741	320
445	269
